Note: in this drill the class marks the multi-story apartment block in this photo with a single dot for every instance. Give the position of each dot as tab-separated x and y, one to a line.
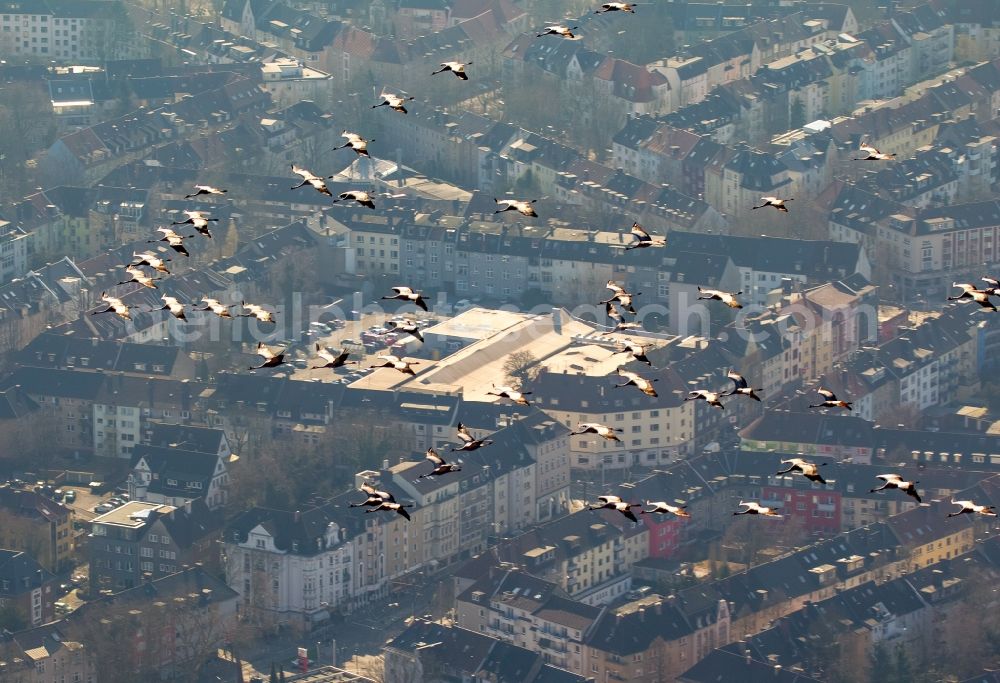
297	565
83	31
148	540
27	589
588	555
35	655
535	614
38	525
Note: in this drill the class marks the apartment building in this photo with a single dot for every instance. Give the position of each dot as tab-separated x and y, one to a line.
294	566
82	31
516	607
589	555
27	589
35	655
142	540
38	525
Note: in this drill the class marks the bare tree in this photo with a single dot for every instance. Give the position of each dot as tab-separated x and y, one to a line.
27	125
520	368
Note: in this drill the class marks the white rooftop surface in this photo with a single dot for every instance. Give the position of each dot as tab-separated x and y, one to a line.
477	367
587	359
477	324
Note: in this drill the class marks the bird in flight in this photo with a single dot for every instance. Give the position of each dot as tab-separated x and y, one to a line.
175	307
457	68
615	503
970	508
753	508
661	508
407	294
330	359
616	7
558	30
114	305
255	311
271	358
469	443
643	239
138	277
309	177
709	397
216	307
895	481
205	189
355	142
971	293
394	102
830	400
173	240
727	298
872	154
395	362
621	295
524	208
637	351
440	465
148	258
198	220
807	469
359	196
641	383
620	324
510	394
407	326
776	202
741	386
603	431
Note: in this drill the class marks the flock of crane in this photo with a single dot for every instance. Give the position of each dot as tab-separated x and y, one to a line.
617	306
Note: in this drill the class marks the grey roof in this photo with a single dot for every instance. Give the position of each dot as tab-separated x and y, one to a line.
199	439
184	467
816	259
20	573
723	665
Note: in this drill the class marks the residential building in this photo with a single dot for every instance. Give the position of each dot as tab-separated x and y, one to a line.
174	476
177	620
82	31
26	588
35	655
518	608
37	525
140	540
411	656
588	555
14	248
298	567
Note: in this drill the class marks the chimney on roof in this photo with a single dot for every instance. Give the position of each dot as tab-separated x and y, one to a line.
557	320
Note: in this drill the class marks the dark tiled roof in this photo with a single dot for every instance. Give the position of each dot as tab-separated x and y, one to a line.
722	665
817	259
20	573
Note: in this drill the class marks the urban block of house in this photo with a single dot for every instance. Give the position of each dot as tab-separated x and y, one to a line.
27	589
139	541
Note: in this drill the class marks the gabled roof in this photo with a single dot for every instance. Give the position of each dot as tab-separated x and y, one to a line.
198	439
821	260
20	573
723	665
183	467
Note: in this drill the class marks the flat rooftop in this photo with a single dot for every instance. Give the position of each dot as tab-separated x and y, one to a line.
133	514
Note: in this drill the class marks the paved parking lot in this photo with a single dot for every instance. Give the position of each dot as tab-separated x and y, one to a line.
85	501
